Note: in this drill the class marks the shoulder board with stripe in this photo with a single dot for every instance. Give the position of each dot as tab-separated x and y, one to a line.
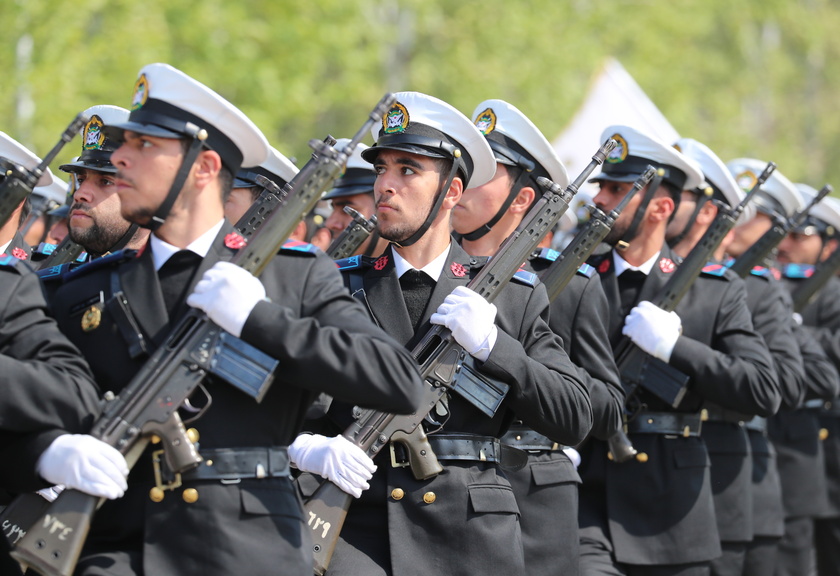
109	260
299	247
798	271
357	262
586	270
525	277
9	261
547	254
54	272
761	271
714	269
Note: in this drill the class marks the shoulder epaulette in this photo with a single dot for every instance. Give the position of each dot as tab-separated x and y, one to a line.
357	262
714	269
103	262
300	247
586	270
525	277
761	272
798	271
547	254
9	261
55	272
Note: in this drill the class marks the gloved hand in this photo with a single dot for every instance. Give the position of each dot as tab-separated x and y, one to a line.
228	294
573	455
84	463
653	330
336	458
471	319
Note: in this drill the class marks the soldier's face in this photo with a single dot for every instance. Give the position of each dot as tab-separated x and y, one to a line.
688	202
338	219
146	168
237	203
405	189
96	221
609	195
798	248
478	205
748	233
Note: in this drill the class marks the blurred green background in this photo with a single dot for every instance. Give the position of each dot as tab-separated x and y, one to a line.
748	78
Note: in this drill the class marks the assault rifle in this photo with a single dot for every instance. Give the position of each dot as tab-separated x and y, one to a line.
557	276
19	181
756	254
66	251
445	367
148	404
637	368
357	231
809	288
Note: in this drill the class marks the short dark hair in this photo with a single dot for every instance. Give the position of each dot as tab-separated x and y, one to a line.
225	174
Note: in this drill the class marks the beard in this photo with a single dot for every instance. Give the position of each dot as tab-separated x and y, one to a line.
618	231
99	237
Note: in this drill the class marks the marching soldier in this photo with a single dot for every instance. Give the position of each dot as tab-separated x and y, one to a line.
465	519
547	488
655	514
803	249
180	148
745	484
246	189
355	189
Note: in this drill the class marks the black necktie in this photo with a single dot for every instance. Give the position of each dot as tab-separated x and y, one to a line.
175	276
629	285
417	289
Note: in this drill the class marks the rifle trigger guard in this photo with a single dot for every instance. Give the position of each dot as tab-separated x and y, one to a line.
159	484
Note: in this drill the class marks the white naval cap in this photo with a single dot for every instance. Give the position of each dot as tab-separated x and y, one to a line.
358	177
169	104
636	150
276	168
56	191
96	145
716	175
425	125
512	136
824	217
776	197
13	151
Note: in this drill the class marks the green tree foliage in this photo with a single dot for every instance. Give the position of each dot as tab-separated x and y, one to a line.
751	78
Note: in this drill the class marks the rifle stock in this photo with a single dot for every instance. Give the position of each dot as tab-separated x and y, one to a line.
442	362
148	404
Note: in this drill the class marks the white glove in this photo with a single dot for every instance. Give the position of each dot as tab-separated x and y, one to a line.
573	455
471	319
653	330
84	463
228	294
336	458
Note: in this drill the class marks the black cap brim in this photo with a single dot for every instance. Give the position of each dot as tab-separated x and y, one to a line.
115	132
77	166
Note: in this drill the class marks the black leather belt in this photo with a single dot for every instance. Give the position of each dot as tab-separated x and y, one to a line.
238	463
714	413
670	423
757	424
526	439
476	448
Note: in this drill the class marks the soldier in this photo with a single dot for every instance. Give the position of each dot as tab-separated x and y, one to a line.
803	249
655	514
43	199
465	519
547	488
94	220
354	189
246	189
745	483
179	150
11	241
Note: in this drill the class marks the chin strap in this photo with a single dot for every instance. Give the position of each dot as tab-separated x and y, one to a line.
514	190
633	229
705	196
458	162
198	135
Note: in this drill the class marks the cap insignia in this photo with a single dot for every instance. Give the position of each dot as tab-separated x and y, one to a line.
396	120
141	92
677	147
486	121
620	152
746	180
94	138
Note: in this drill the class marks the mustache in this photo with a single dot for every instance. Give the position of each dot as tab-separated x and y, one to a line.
80	206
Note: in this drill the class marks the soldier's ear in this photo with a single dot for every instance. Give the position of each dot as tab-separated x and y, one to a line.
207	166
524	199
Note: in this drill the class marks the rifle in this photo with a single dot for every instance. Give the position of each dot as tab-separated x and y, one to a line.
196	347
20	181
808	289
758	252
639	369
66	251
271	197
357	231
445	367
557	276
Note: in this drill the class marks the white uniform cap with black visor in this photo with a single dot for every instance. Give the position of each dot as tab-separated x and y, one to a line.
96	145
169	104
517	143
13	152
276	168
358	176
777	197
424	125
824	216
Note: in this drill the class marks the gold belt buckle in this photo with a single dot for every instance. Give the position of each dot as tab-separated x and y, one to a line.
394	463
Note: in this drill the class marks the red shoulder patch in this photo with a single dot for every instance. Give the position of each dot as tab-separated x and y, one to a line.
604	265
381	263
667	265
235	241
